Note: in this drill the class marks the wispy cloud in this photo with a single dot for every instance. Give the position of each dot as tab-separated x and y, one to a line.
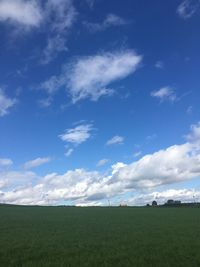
55	45
188	8
151	137
189	110
137	154
102	162
5	103
165	93
4	162
26	13
36	162
110	21
52	85
115	140
69	152
159	65
90	77
90	3
60	16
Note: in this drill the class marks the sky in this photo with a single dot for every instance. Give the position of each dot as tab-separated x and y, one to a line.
99	102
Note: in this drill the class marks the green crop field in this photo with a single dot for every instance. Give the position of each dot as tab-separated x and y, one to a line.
67	236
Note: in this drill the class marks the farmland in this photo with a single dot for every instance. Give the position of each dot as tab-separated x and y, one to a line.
69	236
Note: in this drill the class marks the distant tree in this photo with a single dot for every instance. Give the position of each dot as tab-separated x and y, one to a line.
148	205
154	203
170	201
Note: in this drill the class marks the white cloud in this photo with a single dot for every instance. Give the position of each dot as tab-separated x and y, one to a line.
77	135
115	140
56	15
169	166
5	103
27	13
184	195
109	21
165	93
188	8
36	162
14	179
5	162
89	77
102	162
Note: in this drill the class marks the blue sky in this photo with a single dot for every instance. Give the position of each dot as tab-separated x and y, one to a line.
99	100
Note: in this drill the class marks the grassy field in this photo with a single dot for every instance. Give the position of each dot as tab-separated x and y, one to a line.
64	236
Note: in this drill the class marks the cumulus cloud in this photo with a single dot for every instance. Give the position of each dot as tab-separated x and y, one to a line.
36	162
91	76
5	103
110	21
16	179
26	13
169	166
188	8
165	93
115	140
5	162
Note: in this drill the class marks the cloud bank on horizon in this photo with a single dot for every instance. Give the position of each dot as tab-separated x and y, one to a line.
174	164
